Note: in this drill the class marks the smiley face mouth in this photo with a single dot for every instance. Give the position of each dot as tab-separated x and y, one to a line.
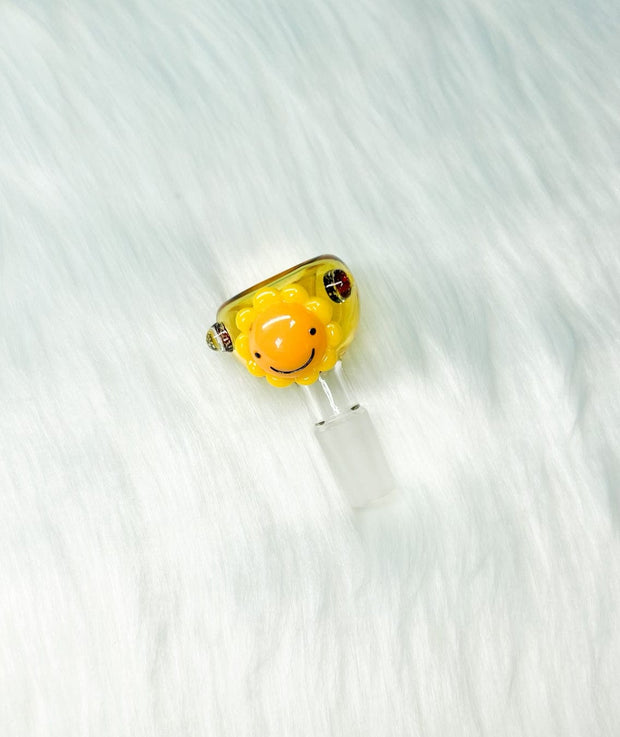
299	368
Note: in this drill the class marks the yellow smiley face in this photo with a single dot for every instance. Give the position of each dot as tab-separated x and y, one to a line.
287	336
287	340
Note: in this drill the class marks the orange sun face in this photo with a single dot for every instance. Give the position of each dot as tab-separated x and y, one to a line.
287	336
287	340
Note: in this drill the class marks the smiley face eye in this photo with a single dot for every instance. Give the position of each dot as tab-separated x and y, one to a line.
312	331
257	355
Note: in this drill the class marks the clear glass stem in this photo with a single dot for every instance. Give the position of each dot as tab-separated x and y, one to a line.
348	439
329	396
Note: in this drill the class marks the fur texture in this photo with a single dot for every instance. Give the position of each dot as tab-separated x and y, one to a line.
174	556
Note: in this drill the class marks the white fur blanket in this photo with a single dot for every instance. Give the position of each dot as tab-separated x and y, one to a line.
175	558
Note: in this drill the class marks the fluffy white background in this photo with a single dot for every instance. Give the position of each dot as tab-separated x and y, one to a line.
174	557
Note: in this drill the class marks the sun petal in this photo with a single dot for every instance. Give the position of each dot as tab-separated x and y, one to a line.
321	308
294	293
264	298
278	380
329	360
242	346
254	368
244	319
308	378
334	334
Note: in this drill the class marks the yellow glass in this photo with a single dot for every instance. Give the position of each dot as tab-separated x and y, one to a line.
293	326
